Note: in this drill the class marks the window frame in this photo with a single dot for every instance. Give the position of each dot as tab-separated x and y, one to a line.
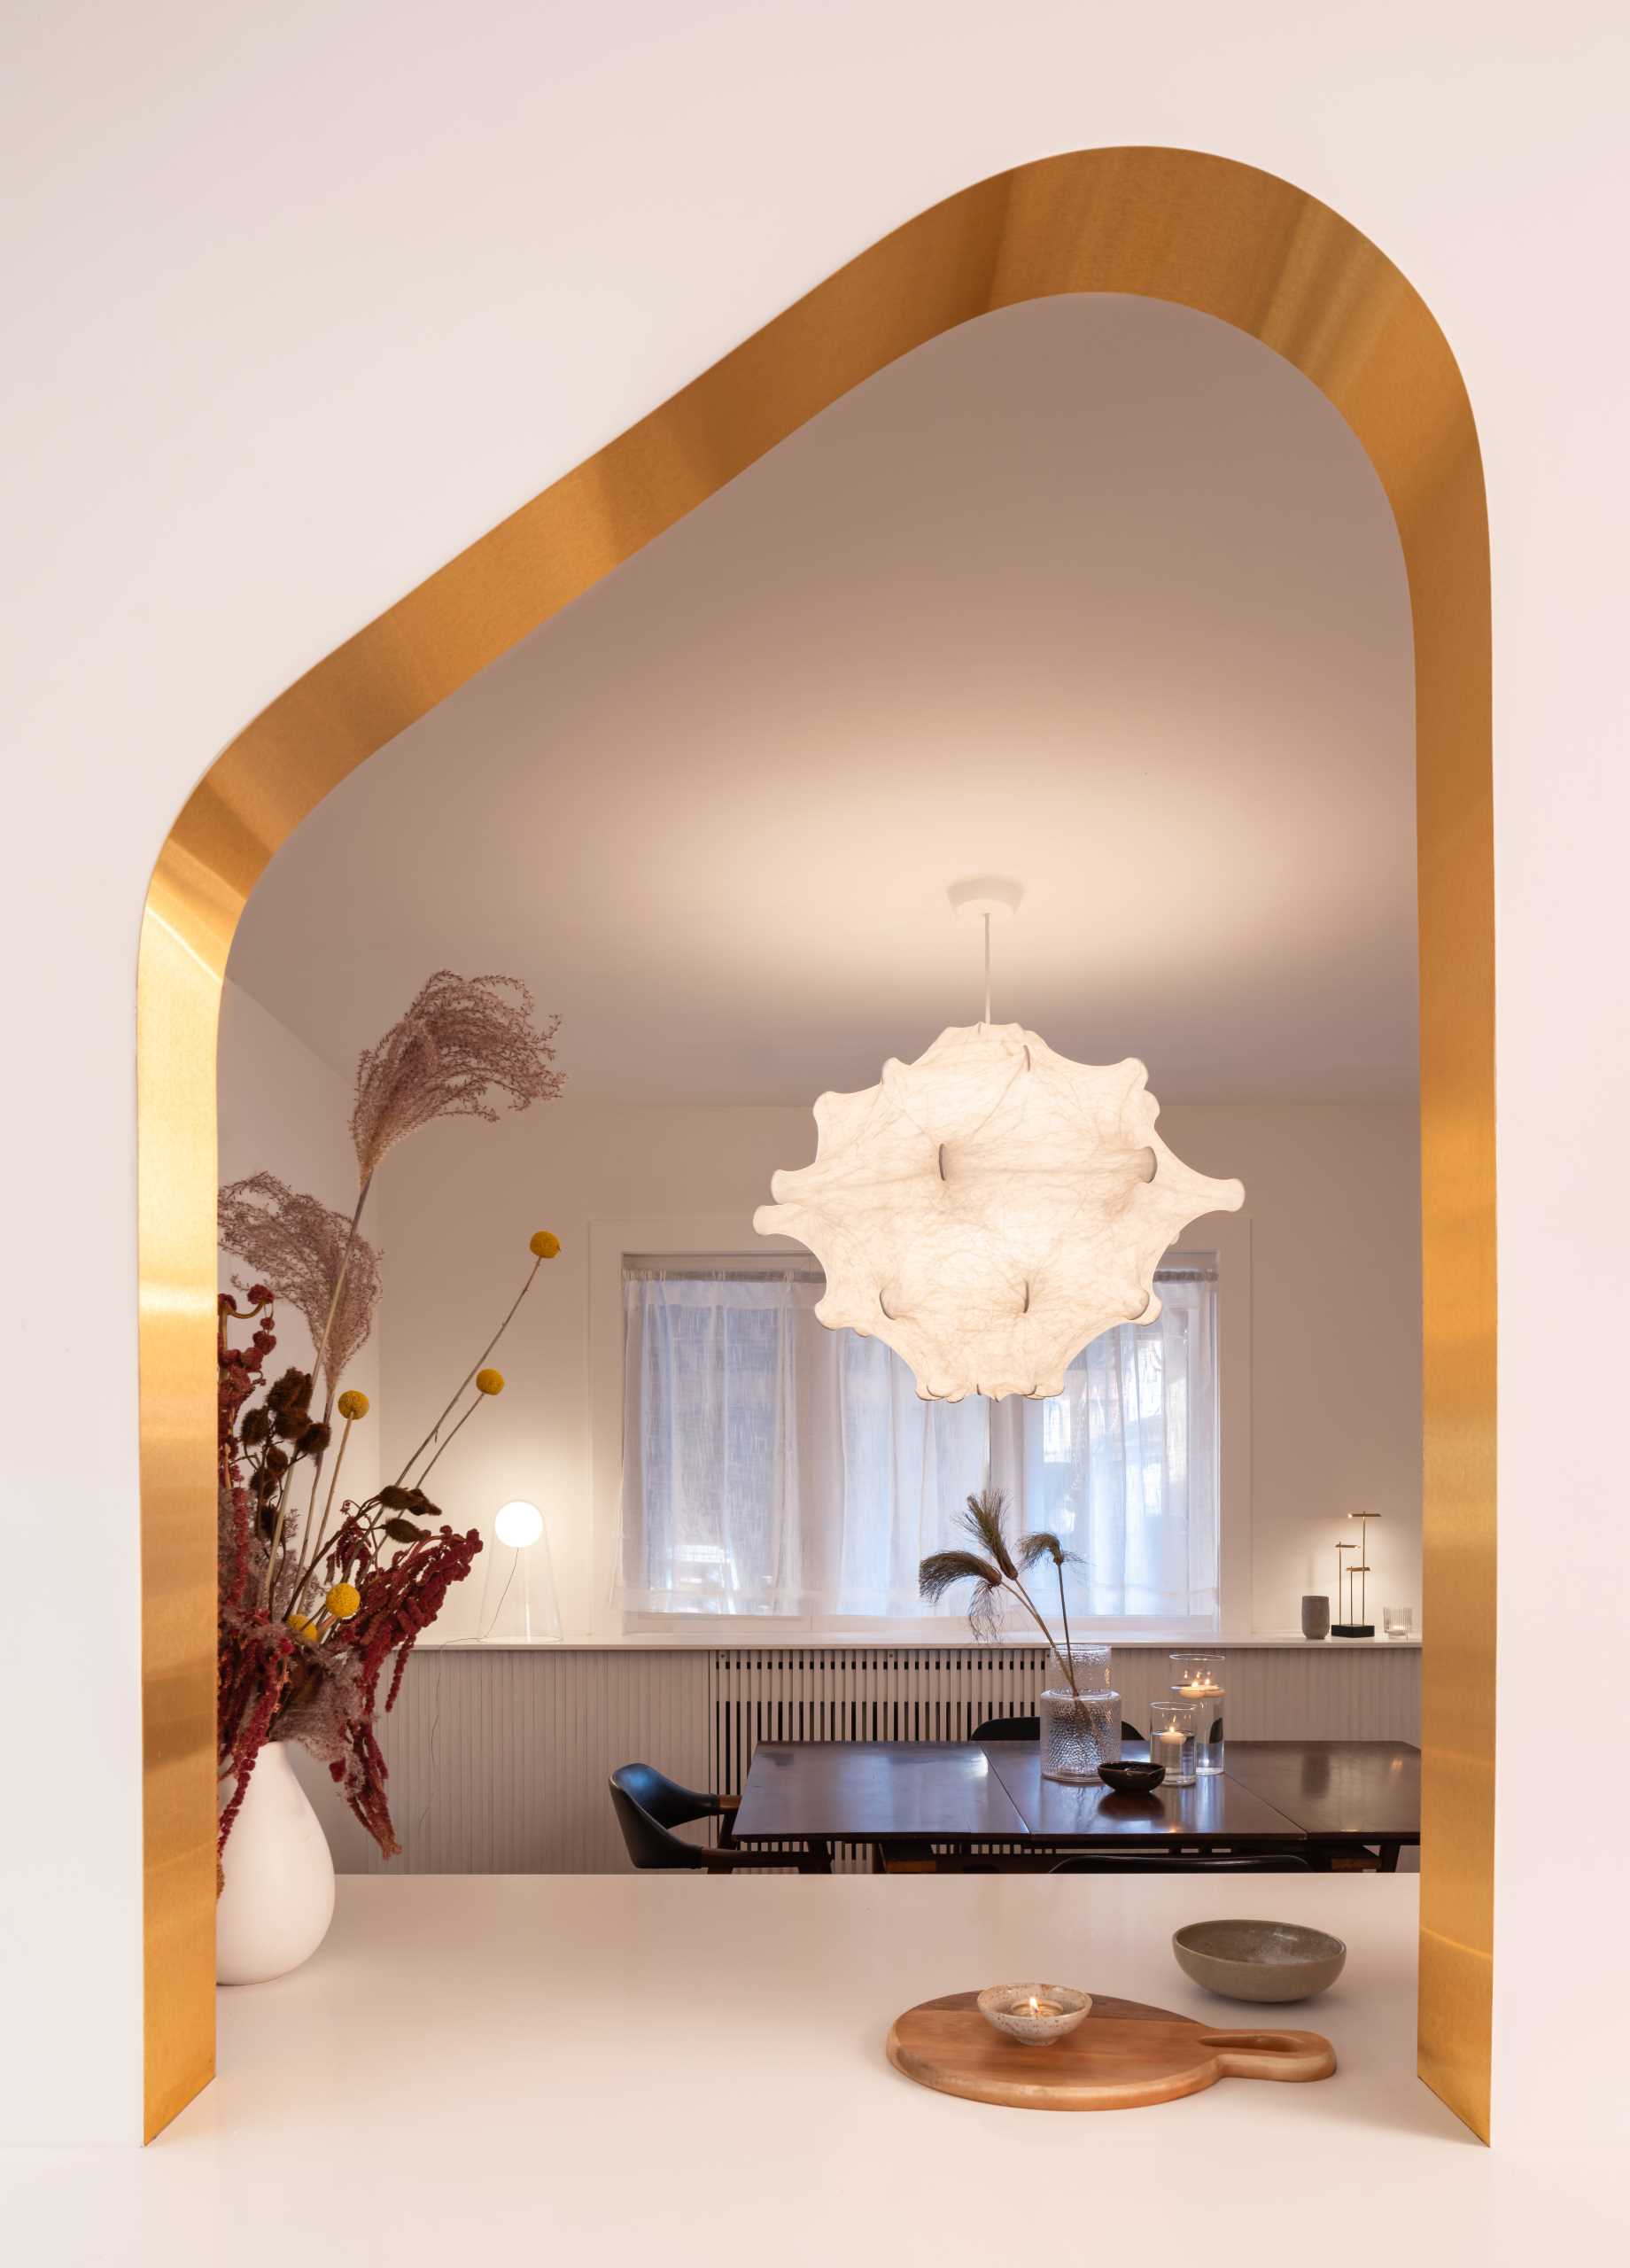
727	1238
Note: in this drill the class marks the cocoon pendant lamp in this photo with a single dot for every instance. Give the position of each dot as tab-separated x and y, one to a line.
990	1209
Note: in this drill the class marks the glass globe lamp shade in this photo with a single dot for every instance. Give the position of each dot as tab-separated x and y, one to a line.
990	1209
518	1525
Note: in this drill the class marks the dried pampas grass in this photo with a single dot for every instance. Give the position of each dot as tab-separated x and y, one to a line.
308	1255
464	1039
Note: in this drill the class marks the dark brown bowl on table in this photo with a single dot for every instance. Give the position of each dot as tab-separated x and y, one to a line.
1132	1778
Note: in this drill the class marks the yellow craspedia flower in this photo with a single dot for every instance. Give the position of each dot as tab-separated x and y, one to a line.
353	1403
343	1601
545	1243
489	1381
302	1626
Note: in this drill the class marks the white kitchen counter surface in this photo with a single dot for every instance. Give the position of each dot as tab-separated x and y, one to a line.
608	2068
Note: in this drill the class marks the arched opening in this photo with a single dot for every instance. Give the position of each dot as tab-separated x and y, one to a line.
1202	232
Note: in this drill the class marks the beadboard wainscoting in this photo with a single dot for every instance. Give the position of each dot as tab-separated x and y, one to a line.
499	1756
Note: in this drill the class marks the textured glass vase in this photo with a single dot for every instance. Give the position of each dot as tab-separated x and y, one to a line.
1080	1731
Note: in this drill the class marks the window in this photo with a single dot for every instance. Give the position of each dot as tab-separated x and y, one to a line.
774	1467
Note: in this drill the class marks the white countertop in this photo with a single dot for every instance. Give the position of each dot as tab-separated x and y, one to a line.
583	2069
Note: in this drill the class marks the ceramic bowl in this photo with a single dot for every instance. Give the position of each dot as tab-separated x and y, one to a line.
1059	2008
1258	1960
1132	1778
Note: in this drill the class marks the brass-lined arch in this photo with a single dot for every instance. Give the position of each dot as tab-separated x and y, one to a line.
1206	233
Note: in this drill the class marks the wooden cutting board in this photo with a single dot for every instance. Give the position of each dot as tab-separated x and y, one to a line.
1125	2054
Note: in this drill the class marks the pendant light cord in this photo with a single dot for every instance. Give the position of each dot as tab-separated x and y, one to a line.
987	968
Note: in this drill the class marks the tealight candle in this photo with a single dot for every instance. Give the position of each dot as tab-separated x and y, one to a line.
1033	2016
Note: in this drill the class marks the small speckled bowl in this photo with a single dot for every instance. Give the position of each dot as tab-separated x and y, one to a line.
1258	1960
1007	2006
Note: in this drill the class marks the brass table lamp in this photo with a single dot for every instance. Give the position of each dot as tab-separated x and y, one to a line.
1355	1626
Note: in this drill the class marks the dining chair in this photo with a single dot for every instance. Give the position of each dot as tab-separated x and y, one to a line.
1030	1729
649	1805
1181	1862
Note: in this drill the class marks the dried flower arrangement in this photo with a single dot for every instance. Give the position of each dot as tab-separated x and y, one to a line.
315	1600
997	1570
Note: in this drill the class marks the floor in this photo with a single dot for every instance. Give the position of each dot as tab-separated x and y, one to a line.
627	2068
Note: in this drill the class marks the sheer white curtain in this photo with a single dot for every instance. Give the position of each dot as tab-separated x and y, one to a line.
774	1467
1123	1464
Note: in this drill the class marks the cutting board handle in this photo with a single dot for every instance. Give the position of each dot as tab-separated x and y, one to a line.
1272	2055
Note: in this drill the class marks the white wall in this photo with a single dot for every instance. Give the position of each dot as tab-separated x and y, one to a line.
1332	1305
299	301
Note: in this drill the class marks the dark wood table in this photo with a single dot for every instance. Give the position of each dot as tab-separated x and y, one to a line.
1341	1793
901	1796
1216	1810
886	1792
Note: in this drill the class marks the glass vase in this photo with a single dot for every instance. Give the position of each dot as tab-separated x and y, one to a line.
1088	1668
1080	1731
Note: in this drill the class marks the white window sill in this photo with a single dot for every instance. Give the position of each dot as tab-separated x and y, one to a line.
652	1641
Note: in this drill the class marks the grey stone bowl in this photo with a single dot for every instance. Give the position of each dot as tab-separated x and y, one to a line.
1258	1960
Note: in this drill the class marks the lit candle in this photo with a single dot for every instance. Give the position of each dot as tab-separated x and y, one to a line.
1197	1689
1173	1734
1043	2007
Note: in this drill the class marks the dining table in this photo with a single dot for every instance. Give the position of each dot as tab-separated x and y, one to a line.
917	1803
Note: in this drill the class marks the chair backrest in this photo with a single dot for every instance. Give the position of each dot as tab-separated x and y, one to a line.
1030	1729
1008	1728
1181	1862
648	1804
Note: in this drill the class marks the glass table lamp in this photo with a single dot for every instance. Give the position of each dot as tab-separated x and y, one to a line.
518	1603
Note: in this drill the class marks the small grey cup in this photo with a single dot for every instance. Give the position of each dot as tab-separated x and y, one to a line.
1315	1616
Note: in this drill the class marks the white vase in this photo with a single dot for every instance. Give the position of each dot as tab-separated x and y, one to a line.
279	1898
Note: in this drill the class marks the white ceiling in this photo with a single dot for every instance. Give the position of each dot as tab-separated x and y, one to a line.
1095	592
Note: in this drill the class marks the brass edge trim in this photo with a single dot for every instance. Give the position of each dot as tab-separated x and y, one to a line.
1204	232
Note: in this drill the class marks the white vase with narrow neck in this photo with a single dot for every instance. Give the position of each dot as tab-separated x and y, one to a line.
277	1899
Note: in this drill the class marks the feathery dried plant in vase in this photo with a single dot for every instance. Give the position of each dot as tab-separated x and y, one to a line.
321	1593
1080	1718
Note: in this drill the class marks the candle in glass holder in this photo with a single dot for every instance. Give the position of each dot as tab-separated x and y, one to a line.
1173	1739
1198	1677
